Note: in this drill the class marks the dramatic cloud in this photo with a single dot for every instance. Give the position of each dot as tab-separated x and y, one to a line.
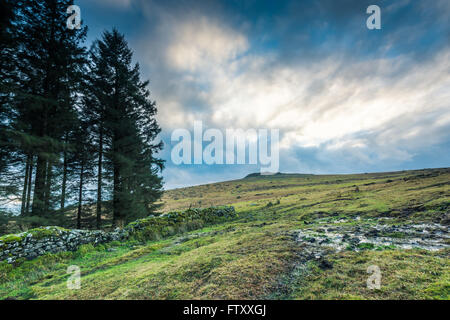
345	98
201	44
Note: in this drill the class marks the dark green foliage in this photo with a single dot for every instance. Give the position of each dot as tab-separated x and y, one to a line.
365	246
7	85
47	64
69	120
122	118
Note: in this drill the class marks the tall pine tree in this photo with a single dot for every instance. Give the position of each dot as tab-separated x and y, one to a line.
8	84
50	60
123	118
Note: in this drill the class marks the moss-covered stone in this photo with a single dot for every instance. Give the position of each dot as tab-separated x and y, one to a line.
154	228
40	233
39	241
10	238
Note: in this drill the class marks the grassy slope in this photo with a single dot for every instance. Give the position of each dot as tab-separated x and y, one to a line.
254	257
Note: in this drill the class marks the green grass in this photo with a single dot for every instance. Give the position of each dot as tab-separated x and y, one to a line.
409	274
256	255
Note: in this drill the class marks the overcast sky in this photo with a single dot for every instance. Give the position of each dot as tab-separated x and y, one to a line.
345	99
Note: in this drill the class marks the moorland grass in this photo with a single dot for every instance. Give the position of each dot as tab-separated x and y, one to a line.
255	256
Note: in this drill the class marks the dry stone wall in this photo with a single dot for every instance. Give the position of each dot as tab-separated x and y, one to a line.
37	242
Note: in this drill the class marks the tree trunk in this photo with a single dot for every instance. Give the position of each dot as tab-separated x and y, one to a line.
64	181
25	186
99	179
116	196
80	197
118	183
30	176
39	186
48	186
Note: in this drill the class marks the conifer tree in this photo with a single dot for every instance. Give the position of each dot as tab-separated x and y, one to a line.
123	118
8	46
50	60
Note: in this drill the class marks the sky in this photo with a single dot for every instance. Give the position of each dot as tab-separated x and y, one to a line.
344	98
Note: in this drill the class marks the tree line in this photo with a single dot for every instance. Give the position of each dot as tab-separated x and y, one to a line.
77	126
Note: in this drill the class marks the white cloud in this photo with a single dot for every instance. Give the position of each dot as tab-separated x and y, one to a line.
357	97
200	44
374	109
